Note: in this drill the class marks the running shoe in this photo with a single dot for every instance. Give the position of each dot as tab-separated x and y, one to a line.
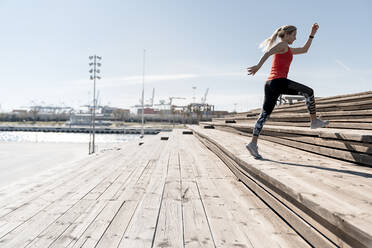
317	123
253	149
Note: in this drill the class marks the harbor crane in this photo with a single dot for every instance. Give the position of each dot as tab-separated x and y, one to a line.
204	99
152	98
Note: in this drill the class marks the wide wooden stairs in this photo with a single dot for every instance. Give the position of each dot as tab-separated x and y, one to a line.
318	180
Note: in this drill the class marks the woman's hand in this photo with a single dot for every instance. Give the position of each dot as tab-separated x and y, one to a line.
253	69
314	29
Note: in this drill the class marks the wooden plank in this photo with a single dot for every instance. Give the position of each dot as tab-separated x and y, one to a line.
169	229
351	95
202	169
321	110
346	125
225	228
326	114
303	118
360	119
140	231
75	229
350	146
324	106
345	98
196	227
95	229
197	232
360	97
111	221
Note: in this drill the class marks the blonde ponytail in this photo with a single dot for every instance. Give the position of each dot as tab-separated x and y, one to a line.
269	42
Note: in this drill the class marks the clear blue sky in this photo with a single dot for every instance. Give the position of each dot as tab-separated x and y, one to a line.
208	44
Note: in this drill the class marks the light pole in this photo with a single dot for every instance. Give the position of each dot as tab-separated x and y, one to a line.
93	76
194	88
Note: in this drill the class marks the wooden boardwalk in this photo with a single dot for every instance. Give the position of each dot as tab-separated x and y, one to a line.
164	193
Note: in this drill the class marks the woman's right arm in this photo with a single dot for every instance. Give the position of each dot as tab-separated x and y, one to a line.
281	47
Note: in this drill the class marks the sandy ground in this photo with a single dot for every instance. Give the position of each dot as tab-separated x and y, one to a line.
21	160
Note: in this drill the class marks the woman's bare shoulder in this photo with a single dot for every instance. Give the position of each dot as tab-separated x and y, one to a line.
280	48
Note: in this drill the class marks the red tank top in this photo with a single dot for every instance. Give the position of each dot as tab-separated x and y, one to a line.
280	66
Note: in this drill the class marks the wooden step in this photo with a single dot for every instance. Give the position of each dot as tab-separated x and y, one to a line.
356	98
295	118
332	124
341	114
359	114
321	190
348	106
335	143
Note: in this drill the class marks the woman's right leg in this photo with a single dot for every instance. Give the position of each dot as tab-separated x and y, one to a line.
269	103
271	96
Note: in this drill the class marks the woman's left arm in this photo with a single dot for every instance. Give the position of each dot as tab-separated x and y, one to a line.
305	48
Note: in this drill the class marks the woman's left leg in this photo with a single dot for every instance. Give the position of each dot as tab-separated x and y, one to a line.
294	88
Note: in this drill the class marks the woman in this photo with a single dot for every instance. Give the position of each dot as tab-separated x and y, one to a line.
278	83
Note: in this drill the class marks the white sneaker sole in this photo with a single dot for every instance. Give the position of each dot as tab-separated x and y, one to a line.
252	153
326	123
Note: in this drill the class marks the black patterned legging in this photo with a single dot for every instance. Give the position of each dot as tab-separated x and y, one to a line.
276	87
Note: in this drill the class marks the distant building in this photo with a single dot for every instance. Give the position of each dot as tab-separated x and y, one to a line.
106	110
146	111
19	111
121	114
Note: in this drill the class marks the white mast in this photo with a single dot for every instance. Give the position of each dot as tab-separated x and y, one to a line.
143	91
